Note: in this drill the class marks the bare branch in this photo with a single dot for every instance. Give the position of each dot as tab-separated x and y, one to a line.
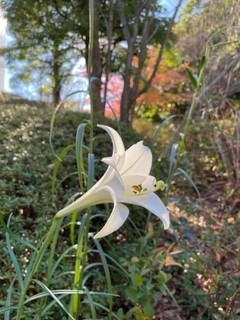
159	58
109	28
124	20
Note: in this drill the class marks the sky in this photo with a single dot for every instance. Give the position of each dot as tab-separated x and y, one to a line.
3	25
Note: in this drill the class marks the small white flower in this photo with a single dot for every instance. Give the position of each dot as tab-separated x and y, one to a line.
126	180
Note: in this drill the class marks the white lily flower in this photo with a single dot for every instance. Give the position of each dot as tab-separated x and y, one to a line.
126	180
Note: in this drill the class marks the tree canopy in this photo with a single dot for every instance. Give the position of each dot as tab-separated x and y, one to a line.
50	36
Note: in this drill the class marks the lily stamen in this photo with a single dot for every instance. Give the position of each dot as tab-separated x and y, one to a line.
138	189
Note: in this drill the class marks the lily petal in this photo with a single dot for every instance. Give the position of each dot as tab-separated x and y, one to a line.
117	218
138	159
152	203
118	146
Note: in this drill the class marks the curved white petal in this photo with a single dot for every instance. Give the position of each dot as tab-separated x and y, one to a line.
118	146
110	173
152	203
138	159
114	162
114	180
117	218
91	198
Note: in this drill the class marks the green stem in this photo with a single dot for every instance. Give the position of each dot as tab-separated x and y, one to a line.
79	269
35	266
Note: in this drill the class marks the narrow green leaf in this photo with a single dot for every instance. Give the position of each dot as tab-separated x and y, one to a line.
64	254
79	153
14	236
91	169
163	124
54	117
80	169
47	292
53	295
106	271
53	249
4	309
72	226
50	305
51	128
57	165
172	159
13	257
62	292
101	306
189	179
119	267
8	301
202	64
191	77
91	303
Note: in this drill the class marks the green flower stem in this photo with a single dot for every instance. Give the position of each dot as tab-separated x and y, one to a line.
79	268
82	249
81	260
36	263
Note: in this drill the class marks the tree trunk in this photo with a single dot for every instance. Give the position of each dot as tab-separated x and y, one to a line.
96	73
124	107
56	95
56	76
137	36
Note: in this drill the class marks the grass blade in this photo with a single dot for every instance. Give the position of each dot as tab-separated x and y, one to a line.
8	301
4	309
47	292
107	274
14	236
183	172
119	267
100	306
57	166
163	124
54	117
79	153
91	170
60	259
61	293
53	295
13	257
91	303
172	160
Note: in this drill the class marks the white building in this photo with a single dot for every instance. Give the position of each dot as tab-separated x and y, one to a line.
3	25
